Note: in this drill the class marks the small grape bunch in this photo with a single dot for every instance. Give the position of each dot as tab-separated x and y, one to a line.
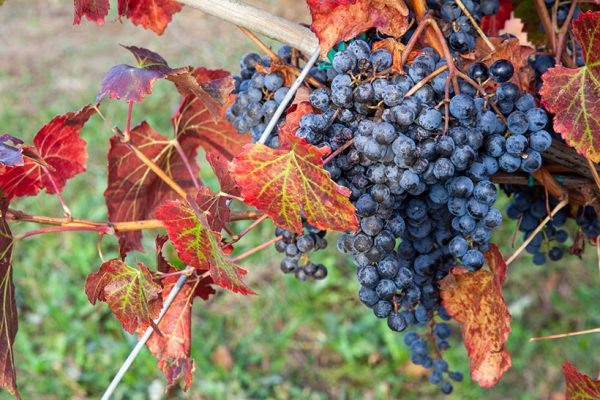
296	249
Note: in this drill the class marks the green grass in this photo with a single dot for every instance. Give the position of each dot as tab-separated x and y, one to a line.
293	340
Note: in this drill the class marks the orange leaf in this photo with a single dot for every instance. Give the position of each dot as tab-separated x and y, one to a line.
293	116
579	386
475	300
336	20
284	182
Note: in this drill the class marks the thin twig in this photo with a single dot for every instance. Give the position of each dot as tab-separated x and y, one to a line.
51	229
129	115
236	238
476	26
483	92
562	335
186	162
58	194
338	151
556	209
543	13
256	249
562	34
425	80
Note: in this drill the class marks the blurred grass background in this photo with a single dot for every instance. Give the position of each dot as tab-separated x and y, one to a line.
294	340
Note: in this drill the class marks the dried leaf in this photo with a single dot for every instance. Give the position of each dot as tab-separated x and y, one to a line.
9	321
192	119
134	191
579	386
93	10
129	292
199	247
475	300
151	14
336	20
59	147
573	95
289	180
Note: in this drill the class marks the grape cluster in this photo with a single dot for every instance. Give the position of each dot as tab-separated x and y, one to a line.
458	30
297	248
529	206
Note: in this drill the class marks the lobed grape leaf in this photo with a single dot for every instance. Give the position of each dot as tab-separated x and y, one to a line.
287	181
134	191
475	300
151	14
58	148
293	115
173	347
129	292
491	25
199	247
579	386
192	119
93	10
573	95
221	168
336	20
9	321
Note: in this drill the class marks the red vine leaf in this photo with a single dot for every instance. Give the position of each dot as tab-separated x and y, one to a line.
192	119
573	95
491	25
130	293
93	10
199	247
214	206
9	322
133	83
134	191
475	300
151	14
173	348
221	168
284	182
293	115
497	265
58	148
336	20
579	386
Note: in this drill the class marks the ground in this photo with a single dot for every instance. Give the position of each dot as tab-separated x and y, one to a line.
300	340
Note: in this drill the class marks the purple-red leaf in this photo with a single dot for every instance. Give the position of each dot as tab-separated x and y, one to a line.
475	300
199	247
8	312
59	148
193	119
215	207
130	293
221	168
284	182
10	156
335	20
93	10
579	386
151	14
573	95
134	190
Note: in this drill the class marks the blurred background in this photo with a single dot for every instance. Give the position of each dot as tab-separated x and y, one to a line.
294	340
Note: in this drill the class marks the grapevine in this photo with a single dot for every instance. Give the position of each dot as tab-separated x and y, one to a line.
393	123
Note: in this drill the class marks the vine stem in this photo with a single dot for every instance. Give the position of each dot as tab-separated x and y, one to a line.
420	10
543	13
562	335
99	229
425	80
256	249
186	162
338	151
243	233
129	115
562	34
556	209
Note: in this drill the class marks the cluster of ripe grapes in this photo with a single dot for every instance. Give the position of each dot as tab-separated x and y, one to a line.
421	183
